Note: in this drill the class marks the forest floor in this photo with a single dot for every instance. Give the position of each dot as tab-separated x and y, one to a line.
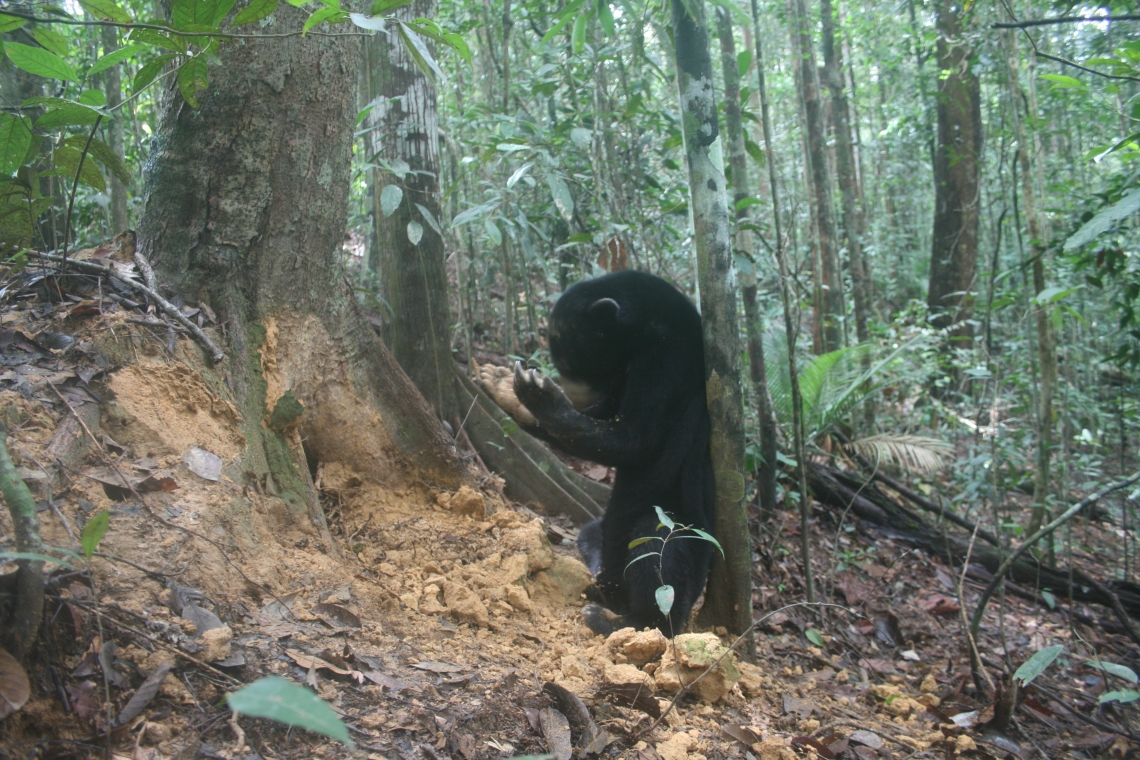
436	625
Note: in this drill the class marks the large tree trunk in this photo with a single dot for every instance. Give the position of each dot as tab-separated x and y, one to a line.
954	251
728	600
245	211
405	128
741	189
831	308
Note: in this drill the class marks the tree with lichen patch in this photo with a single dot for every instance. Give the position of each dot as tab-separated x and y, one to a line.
729	596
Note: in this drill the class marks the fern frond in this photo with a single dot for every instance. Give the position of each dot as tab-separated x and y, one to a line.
914	452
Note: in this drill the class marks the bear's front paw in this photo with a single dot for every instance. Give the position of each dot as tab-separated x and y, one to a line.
539	393
498	383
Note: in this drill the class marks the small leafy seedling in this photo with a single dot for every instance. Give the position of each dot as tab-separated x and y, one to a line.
665	594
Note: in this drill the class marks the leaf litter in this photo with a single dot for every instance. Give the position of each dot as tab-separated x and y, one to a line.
440	634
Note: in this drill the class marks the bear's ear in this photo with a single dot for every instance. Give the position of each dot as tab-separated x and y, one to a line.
604	308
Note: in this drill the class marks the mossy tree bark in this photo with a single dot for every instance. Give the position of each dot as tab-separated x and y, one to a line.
954	253
245	211
728	601
741	189
830	310
404	132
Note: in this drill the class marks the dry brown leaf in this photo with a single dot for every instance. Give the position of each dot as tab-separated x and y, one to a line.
14	687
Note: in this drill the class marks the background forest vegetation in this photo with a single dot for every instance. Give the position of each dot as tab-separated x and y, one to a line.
934	210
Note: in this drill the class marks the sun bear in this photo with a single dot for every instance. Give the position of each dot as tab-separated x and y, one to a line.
629	352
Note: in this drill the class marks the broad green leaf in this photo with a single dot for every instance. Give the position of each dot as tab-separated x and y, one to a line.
493	232
1121	671
472	214
1050	600
583	138
560	193
66	113
1105	220
255	11
429	217
664	518
67	159
151	37
368	22
383	6
643	540
1124	696
511	147
278	699
93	532
458	44
184	13
192	79
709	537
665	596
755	151
390	198
103	154
415	232
606	18
580	237
1060	81
40	62
296	3
746	202
147	73
106	10
814	637
35	557
114	57
419	52
53	41
222	10
1036	664
15	137
93	97
743	62
578	35
519	174
557	27
10	23
638	558
320	15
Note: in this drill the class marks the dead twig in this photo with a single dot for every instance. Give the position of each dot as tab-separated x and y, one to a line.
1007	565
216	354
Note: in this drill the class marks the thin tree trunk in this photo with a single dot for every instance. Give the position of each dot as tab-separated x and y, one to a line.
405	129
1046	340
791	325
246	211
954	247
831	292
113	88
741	189
847	171
728	600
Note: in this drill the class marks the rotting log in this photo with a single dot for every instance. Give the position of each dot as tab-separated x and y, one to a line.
844	490
532	471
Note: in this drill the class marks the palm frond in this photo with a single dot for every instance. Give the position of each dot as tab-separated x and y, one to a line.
917	453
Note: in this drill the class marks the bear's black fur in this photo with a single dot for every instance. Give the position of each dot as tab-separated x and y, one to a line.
629	350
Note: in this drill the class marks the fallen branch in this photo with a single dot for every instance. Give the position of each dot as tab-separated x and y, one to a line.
1067	515
216	354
